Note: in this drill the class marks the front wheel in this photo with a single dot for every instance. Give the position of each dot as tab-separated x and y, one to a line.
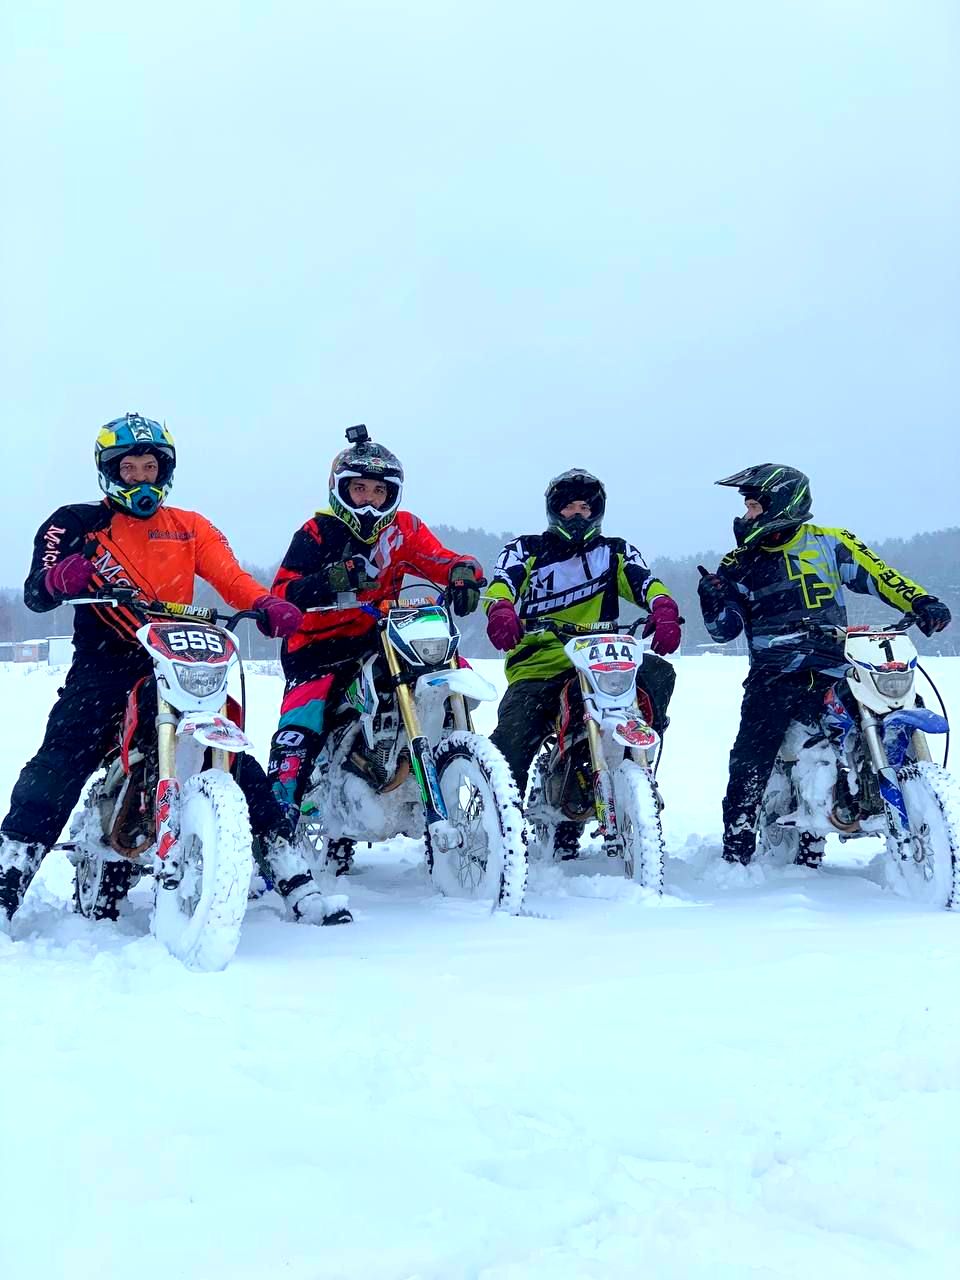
932	801
483	806
638	816
199	918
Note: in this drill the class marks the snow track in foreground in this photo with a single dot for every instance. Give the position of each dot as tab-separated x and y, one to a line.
755	1075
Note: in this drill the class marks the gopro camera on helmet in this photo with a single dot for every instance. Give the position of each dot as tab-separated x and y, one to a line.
358	434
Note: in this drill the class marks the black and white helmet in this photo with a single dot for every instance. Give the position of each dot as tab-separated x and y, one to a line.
573	486
365	459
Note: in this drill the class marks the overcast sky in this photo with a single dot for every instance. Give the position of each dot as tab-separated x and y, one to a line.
663	241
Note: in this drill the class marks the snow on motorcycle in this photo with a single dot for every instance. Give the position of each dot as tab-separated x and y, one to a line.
600	761
164	803
866	770
402	758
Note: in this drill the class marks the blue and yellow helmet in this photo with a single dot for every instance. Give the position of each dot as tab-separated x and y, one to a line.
137	435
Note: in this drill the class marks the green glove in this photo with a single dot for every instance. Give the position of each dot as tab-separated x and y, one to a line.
465	584
349	575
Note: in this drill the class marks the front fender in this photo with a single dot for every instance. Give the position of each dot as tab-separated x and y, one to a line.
463	680
916	718
213	731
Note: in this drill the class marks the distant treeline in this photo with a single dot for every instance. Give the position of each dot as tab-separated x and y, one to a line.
932	559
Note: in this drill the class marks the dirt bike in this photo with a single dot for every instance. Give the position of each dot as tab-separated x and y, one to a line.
402	758
600	760
866	770
165	803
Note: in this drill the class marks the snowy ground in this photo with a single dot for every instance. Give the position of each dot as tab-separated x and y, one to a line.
741	1080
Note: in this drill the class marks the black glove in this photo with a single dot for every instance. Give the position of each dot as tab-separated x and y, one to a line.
712	590
932	614
465	584
348	575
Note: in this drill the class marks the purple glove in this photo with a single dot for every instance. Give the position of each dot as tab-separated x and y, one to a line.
282	620
69	577
503	626
664	625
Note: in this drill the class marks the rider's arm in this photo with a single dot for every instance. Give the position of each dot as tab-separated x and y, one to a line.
724	611
511	575
217	565
64	534
635	582
302	576
427	553
863	571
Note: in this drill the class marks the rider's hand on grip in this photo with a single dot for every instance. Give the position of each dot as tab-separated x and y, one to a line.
282	618
348	575
932	614
465	584
664	625
70	576
503	626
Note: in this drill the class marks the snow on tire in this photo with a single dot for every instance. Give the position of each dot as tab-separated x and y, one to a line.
638	815
199	919
482	802
932	800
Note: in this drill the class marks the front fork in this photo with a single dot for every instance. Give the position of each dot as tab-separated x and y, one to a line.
442	836
603	793
167	799
167	802
898	822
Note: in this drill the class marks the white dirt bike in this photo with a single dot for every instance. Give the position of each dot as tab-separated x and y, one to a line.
402	758
599	763
165	803
865	770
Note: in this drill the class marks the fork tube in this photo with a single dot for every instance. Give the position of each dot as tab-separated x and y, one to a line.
921	748
166	739
602	777
408	708
167	800
421	757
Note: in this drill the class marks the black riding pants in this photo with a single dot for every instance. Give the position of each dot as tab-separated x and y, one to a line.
529	709
83	724
769	705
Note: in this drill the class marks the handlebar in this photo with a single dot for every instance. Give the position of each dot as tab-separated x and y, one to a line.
572	629
131	598
813	629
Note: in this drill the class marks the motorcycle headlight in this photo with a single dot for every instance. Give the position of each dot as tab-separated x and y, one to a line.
431	652
615	682
893	684
199	679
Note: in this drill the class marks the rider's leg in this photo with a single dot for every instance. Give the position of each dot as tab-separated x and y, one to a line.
297	742
79	730
657	677
526	715
276	799
769	705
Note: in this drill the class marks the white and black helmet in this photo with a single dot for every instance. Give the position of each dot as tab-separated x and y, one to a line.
365	459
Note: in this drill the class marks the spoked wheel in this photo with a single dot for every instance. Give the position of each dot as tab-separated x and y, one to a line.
100	885
482	804
638	815
932	875
199	918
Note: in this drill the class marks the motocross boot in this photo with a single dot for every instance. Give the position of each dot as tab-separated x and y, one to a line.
19	861
738	846
304	900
